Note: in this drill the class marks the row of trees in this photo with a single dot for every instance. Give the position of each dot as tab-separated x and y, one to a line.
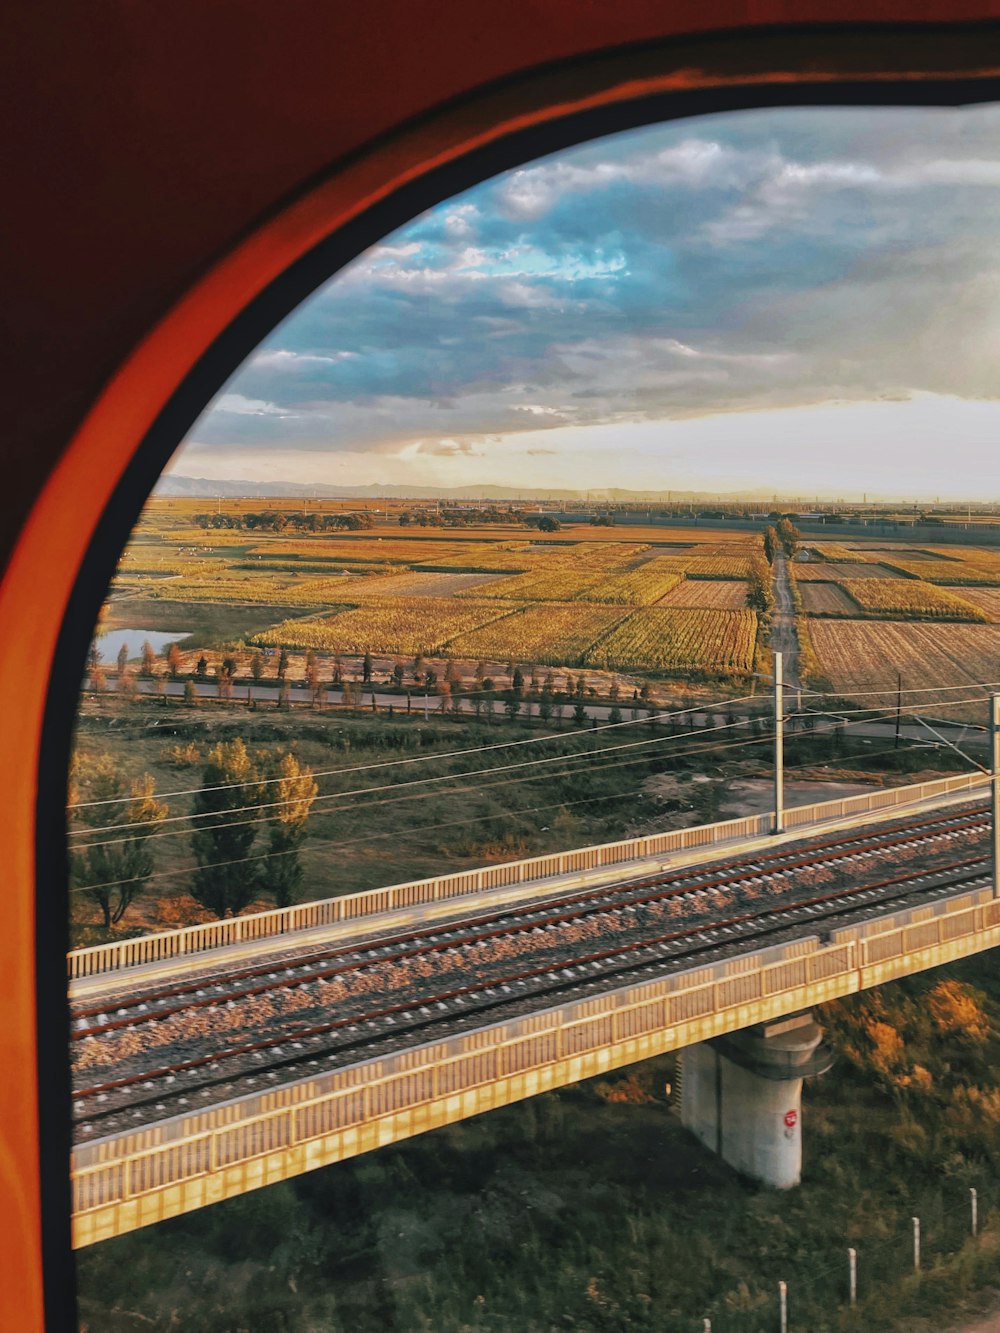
277	520
249	820
785	536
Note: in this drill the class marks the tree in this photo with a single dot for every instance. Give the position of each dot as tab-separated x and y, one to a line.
615	716
313	680
548	524
513	707
148	659
190	693
430	678
256	668
397	675
580	713
282	663
366	667
338	668
418	666
788	535
122	658
292	795
770	545
545	704
517	679
115	869
173	660
201	670
225	829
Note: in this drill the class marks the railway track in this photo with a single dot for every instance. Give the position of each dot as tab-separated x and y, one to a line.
282	971
713	920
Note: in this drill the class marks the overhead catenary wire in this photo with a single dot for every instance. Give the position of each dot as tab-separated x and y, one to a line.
748	741
435	778
416	759
315	844
226	819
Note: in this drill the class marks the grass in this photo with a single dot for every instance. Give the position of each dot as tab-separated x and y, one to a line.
390	836
198	624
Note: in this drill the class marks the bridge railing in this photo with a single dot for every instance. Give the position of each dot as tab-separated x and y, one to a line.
189	940
342	1112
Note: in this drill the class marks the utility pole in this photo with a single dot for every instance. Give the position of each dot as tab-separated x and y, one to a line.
899	705
995	789
852	1276
779	744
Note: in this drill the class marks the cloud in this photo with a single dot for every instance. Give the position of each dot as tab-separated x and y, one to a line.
760	261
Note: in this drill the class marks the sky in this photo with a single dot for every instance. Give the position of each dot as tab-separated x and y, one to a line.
797	300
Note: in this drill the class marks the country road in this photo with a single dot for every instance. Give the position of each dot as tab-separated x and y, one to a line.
784	639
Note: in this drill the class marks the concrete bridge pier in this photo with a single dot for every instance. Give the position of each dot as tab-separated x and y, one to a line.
741	1095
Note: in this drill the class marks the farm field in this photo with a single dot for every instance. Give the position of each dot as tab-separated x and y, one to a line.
551	634
822	571
207	623
866	655
826	599
909	599
958	572
303	592
406	625
670	638
710	594
987	599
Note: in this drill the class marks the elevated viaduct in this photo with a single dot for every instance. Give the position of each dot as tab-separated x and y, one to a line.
421	1004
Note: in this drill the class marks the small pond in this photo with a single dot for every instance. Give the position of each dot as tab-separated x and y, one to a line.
109	644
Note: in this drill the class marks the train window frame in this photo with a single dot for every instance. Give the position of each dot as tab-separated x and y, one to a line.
156	395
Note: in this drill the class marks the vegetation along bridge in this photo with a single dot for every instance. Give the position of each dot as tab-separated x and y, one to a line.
216	1059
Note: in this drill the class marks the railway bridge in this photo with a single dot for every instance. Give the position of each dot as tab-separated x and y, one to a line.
220	1058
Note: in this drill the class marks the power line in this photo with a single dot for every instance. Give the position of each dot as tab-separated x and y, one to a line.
228	822
417	759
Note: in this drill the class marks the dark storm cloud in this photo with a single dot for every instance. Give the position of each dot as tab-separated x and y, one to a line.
765	259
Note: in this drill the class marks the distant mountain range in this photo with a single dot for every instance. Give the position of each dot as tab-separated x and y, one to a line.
204	488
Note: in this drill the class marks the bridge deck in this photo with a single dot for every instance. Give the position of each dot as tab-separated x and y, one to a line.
104	968
130	1179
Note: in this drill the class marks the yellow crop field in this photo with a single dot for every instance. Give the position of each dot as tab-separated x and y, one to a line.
986	557
635	587
146	559
283	591
557	634
416	583
381	550
669	639
709	594
556	585
410	626
716	566
507	559
857	655
819	571
208	538
909	599
836	553
987	599
957	572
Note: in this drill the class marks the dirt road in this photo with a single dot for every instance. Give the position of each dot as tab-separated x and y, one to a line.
783	637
